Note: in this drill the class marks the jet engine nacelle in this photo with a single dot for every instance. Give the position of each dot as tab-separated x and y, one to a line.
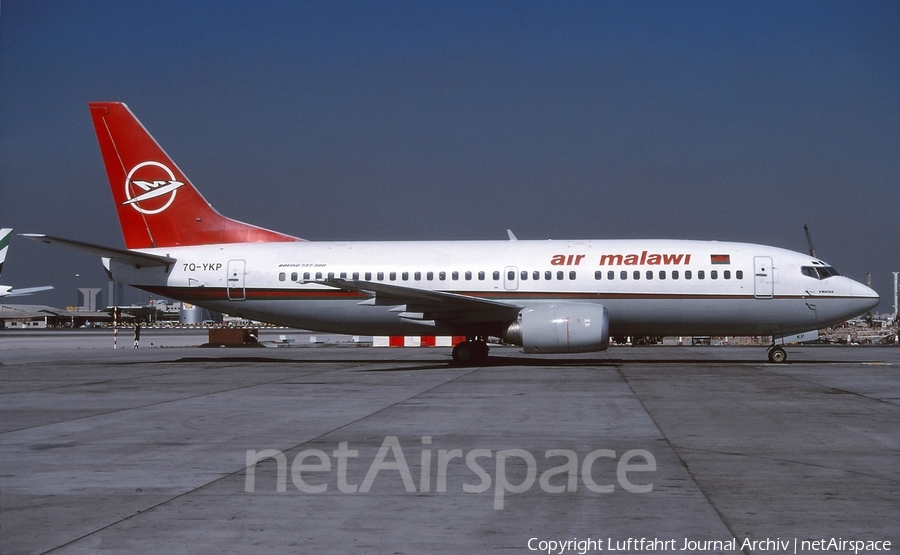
561	328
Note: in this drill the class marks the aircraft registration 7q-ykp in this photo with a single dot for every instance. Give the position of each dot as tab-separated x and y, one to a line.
547	296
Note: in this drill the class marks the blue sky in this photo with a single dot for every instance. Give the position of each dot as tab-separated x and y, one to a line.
408	120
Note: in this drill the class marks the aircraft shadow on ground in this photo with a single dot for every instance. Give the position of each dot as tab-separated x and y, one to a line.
495	362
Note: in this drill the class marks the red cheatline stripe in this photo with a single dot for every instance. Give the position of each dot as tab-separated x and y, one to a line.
217	294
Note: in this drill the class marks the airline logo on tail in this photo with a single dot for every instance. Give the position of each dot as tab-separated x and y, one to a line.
151	187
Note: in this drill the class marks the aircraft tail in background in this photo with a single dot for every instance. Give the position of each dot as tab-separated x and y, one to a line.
5	234
156	203
6	290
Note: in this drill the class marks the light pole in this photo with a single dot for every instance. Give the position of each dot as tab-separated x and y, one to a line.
76	301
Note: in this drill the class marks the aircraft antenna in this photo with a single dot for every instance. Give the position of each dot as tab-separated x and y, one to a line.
812	249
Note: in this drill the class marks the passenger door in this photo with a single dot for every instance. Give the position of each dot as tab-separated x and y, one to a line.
763	282
234	284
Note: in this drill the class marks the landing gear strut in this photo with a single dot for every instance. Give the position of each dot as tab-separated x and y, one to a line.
470	352
777	354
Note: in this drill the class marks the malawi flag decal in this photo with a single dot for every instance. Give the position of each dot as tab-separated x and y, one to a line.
720	258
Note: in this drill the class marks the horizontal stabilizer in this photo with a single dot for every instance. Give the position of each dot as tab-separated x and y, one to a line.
28	290
132	258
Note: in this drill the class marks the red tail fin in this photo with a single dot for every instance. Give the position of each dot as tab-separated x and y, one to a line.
156	204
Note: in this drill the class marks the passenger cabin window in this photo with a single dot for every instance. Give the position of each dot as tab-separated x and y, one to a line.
649	274
701	274
688	274
726	274
404	276
623	275
392	276
674	274
496	276
355	275
293	276
536	275
637	274
281	276
714	274
368	276
429	276
480	276
511	275
598	274
318	275
468	276
380	276
523	275
454	276
343	275
442	276
610	275
739	274
572	274
417	276
548	275
559	275
662	274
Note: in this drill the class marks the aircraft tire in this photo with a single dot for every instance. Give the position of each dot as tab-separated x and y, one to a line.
470	353
777	355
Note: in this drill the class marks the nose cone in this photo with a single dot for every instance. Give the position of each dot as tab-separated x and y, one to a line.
864	298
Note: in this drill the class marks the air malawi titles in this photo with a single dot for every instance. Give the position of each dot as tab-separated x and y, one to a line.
645	258
633	259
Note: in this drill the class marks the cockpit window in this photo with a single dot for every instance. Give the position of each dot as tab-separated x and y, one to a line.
819	272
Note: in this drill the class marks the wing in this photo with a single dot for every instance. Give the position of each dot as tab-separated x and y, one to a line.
422	306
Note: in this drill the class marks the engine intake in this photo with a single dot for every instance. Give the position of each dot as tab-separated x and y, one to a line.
561	328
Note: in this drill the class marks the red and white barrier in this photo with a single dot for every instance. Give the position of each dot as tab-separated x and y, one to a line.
416	340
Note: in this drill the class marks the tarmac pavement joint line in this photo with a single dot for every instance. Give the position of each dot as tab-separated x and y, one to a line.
148	405
683	462
244	469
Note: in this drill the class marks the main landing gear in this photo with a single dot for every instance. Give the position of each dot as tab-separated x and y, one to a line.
777	354
471	352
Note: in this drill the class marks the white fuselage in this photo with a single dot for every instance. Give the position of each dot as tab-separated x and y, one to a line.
650	287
